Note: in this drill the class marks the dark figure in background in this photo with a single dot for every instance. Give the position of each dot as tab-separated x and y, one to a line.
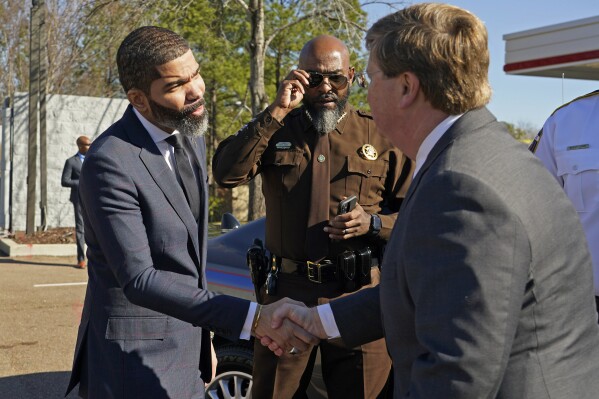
311	157
70	178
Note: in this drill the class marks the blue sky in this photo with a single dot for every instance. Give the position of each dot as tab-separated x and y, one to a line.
522	100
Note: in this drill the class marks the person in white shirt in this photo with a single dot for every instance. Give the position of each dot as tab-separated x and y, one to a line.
568	146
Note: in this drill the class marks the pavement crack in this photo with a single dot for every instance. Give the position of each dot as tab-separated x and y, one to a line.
9	346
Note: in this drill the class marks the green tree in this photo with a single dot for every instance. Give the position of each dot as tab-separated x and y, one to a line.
523	132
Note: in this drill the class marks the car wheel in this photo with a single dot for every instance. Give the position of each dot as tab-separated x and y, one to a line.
230	385
235	357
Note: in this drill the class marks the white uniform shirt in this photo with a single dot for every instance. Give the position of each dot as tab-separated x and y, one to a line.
569	148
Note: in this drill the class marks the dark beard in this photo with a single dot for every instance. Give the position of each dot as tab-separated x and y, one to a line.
325	120
183	121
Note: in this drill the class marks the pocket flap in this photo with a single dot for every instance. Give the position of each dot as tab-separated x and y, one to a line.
131	328
281	157
576	161
365	167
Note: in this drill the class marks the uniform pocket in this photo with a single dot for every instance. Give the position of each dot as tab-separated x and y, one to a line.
136	328
281	171
579	170
366	179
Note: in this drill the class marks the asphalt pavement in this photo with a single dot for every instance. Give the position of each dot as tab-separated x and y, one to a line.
41	298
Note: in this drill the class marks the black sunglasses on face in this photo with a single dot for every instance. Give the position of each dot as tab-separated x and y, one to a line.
336	80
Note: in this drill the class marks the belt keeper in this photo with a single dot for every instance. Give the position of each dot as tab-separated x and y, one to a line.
256	320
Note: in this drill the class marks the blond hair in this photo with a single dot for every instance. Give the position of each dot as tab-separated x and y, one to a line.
444	46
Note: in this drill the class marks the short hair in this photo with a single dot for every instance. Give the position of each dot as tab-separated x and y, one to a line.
443	45
142	51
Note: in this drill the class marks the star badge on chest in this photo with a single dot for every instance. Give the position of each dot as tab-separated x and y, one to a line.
368	152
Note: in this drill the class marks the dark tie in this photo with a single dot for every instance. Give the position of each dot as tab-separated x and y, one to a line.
188	180
317	241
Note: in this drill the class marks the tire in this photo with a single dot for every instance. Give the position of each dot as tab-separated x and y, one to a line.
231	385
235	357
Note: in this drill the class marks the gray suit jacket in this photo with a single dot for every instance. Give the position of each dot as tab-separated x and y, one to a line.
146	295
70	176
486	287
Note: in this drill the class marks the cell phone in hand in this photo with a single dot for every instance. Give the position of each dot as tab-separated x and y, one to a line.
346	205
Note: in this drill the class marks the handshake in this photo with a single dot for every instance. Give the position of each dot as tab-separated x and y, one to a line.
287	326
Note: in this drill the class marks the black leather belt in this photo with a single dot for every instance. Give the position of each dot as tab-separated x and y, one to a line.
318	272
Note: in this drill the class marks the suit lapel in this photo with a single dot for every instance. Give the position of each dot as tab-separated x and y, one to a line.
468	123
154	162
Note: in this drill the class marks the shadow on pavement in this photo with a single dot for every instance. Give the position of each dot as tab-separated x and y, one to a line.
26	261
50	385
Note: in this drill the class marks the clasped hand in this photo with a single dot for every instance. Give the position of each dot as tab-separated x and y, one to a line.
288	324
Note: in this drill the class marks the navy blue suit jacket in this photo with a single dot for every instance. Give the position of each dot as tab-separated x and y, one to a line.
70	176
146	299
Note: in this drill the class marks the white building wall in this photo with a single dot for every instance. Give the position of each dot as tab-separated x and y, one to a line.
68	117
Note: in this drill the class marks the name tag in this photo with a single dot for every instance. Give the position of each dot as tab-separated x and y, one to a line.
577	147
283	145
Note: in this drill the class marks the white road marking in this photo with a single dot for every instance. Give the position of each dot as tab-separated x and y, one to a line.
58	285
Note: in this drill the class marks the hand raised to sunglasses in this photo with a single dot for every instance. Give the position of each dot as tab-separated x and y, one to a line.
290	94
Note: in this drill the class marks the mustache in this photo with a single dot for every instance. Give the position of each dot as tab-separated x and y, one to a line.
190	108
328	97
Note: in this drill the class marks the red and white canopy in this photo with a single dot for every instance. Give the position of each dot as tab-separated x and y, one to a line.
570	48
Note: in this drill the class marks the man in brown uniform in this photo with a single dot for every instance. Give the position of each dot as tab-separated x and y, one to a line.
311	158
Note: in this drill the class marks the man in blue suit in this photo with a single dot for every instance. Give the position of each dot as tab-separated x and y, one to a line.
147	312
70	178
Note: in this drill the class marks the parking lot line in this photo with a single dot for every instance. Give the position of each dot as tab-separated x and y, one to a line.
58	285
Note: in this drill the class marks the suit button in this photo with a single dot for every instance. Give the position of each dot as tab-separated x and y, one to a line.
268	119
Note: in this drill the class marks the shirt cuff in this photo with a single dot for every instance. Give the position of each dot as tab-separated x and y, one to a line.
328	321
246	332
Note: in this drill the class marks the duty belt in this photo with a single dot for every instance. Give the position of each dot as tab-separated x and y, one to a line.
318	272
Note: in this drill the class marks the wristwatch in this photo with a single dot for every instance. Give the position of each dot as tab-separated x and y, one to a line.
375	225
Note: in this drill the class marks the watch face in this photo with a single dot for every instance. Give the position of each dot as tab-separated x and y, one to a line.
375	224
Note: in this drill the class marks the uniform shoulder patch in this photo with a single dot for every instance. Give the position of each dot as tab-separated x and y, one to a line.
588	95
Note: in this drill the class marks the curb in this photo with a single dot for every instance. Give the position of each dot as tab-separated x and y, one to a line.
11	248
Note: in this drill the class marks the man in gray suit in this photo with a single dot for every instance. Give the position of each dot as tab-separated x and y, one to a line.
486	287
147	312
70	178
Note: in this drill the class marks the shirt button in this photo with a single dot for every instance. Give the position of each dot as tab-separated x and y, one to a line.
575	167
369	171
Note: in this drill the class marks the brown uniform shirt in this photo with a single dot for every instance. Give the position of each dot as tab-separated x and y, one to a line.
282	153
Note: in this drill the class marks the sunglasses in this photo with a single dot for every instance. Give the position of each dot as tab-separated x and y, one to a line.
336	80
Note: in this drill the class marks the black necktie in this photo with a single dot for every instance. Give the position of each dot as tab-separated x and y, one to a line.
188	180
317	240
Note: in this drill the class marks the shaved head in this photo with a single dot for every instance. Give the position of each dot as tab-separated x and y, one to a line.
324	49
326	102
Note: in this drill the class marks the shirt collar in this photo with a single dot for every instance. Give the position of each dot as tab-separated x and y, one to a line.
433	137
154	131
